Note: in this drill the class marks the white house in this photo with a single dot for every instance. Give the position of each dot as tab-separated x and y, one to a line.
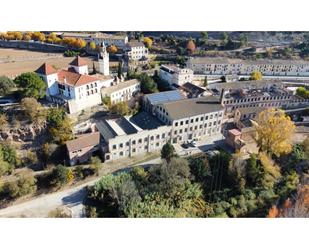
122	91
73	86
175	75
136	50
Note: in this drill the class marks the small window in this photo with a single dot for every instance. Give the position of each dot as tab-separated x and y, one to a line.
114	146
121	145
140	141
133	142
187	121
158	137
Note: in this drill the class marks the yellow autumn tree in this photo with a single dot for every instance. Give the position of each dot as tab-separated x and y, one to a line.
70	176
274	132
80	43
148	42
92	45
112	49
256	75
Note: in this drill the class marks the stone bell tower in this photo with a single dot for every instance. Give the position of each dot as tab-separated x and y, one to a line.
103	59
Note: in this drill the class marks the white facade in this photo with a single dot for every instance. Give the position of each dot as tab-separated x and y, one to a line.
136	51
180	127
122	91
52	85
141	142
192	127
77	90
81	69
103	59
225	66
176	75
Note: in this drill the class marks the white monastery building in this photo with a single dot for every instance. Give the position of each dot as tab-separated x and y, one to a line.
73	86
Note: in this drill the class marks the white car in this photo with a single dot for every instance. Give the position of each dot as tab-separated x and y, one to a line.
193	143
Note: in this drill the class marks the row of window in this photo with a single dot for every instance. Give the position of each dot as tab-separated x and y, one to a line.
134	150
257	99
196	127
91	85
198	119
139	141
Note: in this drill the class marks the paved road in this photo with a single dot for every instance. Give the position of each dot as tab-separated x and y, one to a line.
71	198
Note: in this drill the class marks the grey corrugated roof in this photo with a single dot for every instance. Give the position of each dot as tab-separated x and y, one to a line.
194	89
106	131
145	121
163	97
192	107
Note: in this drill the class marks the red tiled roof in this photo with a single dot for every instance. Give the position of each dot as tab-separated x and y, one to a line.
84	141
74	79
78	61
46	69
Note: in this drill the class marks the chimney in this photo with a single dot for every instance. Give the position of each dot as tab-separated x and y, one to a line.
65	80
222	96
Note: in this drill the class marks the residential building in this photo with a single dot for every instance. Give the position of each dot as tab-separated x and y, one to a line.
136	51
73	87
122	91
226	66
153	99
175	75
82	148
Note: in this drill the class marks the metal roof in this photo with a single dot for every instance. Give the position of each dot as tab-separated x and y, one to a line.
192	107
163	97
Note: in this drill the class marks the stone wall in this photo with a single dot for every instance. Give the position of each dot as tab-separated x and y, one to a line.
32	45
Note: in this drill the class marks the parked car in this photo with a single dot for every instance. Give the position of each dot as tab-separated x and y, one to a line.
193	143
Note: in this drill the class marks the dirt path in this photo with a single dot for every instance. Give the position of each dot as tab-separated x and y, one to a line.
73	197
